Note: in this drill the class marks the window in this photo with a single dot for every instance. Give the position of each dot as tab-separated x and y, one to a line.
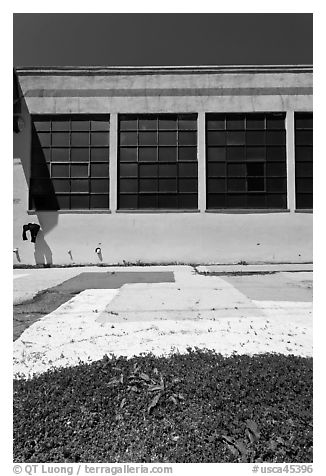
246	161
70	162
303	159
158	162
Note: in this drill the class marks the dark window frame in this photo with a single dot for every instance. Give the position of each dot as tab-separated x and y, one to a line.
45	192
173	145
303	197
240	139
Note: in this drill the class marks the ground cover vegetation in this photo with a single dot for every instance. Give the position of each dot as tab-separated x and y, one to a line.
194	407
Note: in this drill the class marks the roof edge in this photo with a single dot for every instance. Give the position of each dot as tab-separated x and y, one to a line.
134	70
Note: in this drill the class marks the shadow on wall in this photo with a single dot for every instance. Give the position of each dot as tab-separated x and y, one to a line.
42	197
42	251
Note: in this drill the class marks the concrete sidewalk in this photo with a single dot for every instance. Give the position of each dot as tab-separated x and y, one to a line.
243	314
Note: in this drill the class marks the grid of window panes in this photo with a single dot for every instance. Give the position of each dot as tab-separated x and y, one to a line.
246	161
70	162
158	162
303	159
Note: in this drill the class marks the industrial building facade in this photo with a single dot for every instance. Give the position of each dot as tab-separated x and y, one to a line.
163	165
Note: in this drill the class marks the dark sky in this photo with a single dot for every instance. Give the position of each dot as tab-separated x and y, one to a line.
161	39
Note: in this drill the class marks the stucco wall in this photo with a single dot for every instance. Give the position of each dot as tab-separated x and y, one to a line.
193	237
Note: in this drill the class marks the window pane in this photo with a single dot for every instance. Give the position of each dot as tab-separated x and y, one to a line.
187	124
59	170
148	185
216	154
168	185
188	170
216	170
303	121
303	153
304	184
276	169
276	185
63	202
100	125
148	201
100	170
236	154
79	139
218	124
304	201
216	185
275	138
235	122
256	200
147	154
304	169
276	200
215	138
235	138
61	185
42	155
61	125
169	170
99	201
79	186
275	121
304	137
79	170
42	125
188	202
147	138
255	138
236	170
102	155
42	139
128	124
79	202
187	138
60	138
187	185
148	170
276	153
167	154
128	185
255	122
236	201
255	169
80	125
216	201
126	155
128	170
100	138
254	153
256	184
79	155
40	169
188	153
168	138
147	124
99	185
41	187
168	201
60	155
127	201
236	185
128	138
167	124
